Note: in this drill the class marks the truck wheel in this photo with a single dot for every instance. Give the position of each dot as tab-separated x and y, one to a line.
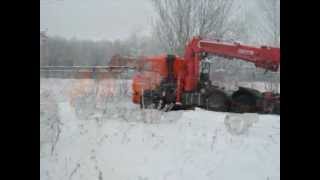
217	102
244	103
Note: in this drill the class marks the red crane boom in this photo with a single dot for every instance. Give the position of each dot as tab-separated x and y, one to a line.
263	57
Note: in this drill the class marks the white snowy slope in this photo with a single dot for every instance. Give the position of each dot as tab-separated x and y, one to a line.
195	144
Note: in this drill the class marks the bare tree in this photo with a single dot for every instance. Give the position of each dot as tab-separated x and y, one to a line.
271	28
179	20
271	11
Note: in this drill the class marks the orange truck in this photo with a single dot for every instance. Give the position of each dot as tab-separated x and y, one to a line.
183	82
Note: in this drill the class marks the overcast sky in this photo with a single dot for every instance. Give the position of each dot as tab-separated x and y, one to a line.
95	19
109	19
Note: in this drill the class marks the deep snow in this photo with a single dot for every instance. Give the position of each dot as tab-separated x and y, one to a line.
127	143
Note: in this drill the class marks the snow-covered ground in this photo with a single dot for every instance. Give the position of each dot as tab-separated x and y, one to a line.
124	142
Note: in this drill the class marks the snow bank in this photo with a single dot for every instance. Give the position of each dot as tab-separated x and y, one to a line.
148	145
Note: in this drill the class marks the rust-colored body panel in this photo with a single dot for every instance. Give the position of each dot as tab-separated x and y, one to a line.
154	70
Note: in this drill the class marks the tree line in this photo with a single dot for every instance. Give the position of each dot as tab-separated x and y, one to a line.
58	51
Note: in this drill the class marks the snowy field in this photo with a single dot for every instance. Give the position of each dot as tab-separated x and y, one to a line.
104	136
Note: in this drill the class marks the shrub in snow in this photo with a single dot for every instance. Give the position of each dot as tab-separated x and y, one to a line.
106	99
237	124
89	97
49	122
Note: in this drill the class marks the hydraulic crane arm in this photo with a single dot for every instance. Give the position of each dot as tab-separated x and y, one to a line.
264	57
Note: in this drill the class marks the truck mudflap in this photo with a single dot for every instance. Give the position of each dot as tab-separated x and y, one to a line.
270	103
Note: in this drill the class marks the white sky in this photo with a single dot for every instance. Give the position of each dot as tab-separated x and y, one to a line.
95	19
109	19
